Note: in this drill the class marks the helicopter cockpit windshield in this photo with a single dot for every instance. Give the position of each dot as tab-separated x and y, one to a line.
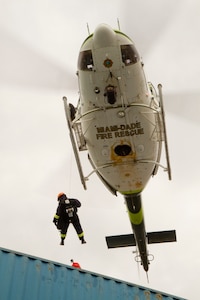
85	61
129	54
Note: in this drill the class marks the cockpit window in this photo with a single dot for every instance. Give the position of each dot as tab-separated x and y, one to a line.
85	61
129	54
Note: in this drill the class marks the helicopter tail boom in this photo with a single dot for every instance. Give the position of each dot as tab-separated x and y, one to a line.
140	237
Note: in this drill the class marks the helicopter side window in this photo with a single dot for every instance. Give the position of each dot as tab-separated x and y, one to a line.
85	61
129	54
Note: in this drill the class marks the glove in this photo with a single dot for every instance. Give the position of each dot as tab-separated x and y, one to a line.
67	201
55	221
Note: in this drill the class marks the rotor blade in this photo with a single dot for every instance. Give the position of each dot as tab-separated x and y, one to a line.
23	66
185	105
151	18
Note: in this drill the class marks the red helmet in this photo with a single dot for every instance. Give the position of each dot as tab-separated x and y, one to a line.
61	194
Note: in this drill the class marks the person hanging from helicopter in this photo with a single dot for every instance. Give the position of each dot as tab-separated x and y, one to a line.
66	213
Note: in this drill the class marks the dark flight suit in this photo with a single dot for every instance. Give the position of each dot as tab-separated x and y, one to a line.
67	213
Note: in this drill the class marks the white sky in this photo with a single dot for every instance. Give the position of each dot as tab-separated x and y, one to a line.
39	45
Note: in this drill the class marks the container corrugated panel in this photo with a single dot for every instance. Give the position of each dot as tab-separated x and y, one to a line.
24	277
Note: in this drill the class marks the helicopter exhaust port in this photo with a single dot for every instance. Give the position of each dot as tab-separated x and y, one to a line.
123	150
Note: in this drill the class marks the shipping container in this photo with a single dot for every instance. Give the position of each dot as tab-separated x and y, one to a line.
24	277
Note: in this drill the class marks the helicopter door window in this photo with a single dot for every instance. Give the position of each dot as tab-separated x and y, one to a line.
85	61
129	54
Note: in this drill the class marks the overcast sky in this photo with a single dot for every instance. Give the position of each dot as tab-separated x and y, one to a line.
39	45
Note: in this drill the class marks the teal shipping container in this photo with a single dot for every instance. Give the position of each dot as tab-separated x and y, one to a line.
24	277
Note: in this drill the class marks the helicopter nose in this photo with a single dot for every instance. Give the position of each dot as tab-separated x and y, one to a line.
104	36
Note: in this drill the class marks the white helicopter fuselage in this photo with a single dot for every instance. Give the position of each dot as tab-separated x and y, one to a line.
120	121
118	111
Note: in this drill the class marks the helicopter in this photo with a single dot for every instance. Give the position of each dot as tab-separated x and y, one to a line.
120	122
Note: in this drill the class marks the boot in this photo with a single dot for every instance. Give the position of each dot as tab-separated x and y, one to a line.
62	242
82	240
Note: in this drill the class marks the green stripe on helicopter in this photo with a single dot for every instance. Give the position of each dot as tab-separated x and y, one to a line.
133	192
136	218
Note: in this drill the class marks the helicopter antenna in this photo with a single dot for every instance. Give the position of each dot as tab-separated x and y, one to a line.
118	24
147	277
88	29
